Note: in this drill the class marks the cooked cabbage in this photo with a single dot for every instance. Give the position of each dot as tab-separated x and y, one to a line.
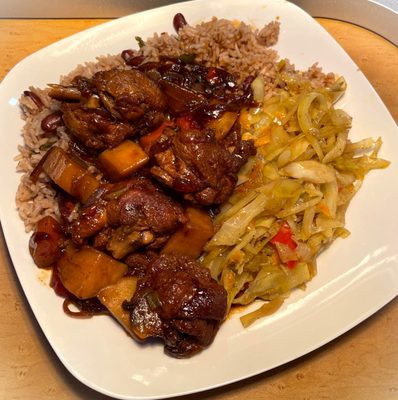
292	196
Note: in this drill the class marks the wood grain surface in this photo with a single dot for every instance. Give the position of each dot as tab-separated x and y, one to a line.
360	365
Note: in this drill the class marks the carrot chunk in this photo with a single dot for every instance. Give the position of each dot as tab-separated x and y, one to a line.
123	160
151	138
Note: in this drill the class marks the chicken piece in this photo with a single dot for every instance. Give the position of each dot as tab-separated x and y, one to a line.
128	94
143	204
80	90
180	99
91	220
96	128
139	262
184	338
178	301
128	216
126	239
194	164
142	216
193	88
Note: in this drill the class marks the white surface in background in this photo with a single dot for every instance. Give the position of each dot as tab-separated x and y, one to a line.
380	16
118	8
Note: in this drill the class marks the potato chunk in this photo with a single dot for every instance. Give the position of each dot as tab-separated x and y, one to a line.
113	296
86	271
190	239
223	124
69	175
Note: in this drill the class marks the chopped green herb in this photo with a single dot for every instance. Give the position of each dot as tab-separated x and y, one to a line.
47	145
187	58
140	42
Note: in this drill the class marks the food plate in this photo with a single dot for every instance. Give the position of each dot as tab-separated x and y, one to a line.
357	276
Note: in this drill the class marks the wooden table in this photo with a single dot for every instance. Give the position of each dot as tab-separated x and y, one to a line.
360	365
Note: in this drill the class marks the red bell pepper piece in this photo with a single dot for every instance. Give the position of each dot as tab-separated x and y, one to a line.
284	236
213	76
187	122
291	264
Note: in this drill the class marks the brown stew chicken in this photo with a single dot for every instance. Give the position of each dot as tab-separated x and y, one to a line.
155	149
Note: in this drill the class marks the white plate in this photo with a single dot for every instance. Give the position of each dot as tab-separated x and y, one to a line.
357	276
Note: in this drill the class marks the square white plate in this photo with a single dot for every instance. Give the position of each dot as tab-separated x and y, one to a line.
357	276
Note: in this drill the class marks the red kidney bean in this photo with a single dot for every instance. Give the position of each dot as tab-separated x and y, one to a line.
131	59
179	21
35	98
52	122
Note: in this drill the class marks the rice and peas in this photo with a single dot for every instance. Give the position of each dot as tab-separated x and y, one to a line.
291	197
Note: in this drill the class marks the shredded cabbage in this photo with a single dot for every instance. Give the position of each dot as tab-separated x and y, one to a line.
292	196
